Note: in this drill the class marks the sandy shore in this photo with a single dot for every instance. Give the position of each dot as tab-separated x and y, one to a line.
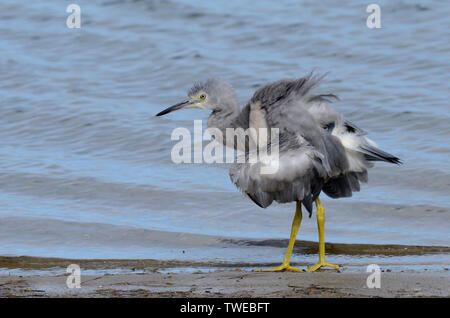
151	278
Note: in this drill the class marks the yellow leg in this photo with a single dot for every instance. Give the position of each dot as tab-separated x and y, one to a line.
294	230
321	226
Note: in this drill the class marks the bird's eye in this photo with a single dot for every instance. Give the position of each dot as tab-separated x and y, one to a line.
202	97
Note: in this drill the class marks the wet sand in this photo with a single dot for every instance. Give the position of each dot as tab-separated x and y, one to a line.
152	278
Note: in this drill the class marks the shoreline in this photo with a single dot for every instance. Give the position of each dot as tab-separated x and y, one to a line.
301	247
229	284
46	277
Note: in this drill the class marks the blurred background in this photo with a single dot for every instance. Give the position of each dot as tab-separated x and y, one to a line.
85	167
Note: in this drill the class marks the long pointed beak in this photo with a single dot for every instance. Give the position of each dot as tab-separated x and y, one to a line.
175	107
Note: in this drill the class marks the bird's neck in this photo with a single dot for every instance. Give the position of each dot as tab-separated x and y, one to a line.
231	117
223	118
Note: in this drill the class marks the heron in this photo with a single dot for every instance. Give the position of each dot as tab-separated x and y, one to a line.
320	151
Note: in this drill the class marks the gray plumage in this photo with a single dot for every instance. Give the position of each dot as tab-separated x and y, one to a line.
319	150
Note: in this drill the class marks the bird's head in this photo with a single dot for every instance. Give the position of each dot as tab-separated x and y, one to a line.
211	94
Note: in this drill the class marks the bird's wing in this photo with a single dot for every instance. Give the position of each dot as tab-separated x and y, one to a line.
295	174
286	103
307	154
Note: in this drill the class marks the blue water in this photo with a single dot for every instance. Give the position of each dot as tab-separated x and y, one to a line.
85	168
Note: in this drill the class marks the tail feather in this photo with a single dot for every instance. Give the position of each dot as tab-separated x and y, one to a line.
372	153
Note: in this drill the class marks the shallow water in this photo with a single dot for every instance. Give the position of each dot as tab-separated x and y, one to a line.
85	169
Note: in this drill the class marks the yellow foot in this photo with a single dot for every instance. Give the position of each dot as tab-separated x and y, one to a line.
281	268
319	265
